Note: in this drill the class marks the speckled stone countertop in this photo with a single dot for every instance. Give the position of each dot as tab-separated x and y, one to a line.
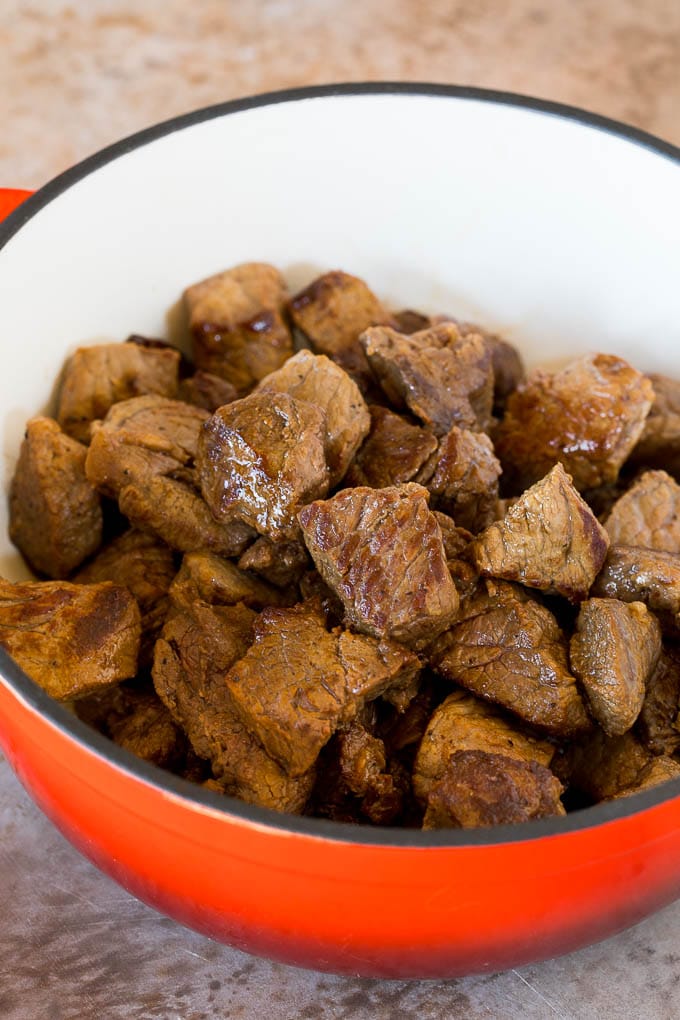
76	76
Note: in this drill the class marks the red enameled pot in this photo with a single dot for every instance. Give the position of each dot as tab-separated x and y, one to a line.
558	227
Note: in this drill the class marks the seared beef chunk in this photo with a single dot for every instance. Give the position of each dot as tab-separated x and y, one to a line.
143	453
207	391
55	515
281	563
393	453
588	416
464	723
633	574
207	578
147	729
442	378
146	567
260	459
659	444
648	514
463	478
299	682
508	368
198	646
613	653
606	767
508	649
321	382
356	779
480	788
549	539
456	540
381	552
331	312
71	639
658	724
237	324
98	377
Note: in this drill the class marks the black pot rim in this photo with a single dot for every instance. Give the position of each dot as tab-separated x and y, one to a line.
29	693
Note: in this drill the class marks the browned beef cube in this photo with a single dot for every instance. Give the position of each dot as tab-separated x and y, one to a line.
657	725
55	515
442	378
658	770
147	729
72	639
363	769
613	653
381	552
508	649
141	437
406	729
456	540
648	514
634	574
207	391
321	382
331	312
299	682
146	567
659	444
464	723
198	646
143	454
212	579
481	788
393	453
588	416
175	512
463	478
604	767
237	323
262	458
508	367
280	563
98	377
549	539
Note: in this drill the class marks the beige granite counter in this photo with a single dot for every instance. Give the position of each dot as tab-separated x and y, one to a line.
75	76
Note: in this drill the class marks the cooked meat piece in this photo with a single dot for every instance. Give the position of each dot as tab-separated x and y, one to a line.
197	648
658	770
408	321
280	563
313	586
98	377
602	498
71	639
363	771
237	324
481	788
648	514
176	513
406	729
147	730
463	478
659	444
613	652
603	767
464	723
456	540
319	381
588	416
331	312
441	378
393	453
55	515
262	458
142	437
146	567
634	574
657	724
299	682
508	367
207	391
381	552
209	578
549	539
508	649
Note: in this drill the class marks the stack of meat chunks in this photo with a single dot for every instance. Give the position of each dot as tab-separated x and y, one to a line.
353	563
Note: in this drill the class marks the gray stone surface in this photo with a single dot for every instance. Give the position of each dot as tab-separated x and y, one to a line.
75	946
